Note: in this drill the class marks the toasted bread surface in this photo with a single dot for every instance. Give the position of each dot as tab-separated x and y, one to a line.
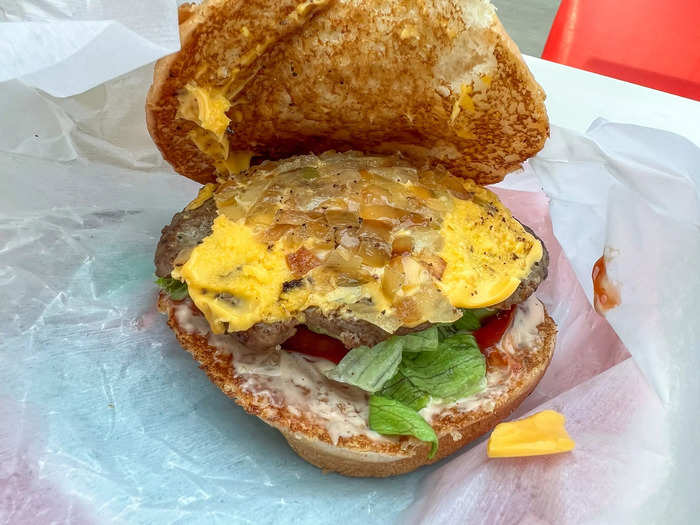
439	81
359	455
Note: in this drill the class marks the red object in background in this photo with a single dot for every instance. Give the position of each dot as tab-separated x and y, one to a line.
648	42
310	343
493	329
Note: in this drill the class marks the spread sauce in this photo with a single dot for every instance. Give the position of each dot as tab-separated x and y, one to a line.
297	381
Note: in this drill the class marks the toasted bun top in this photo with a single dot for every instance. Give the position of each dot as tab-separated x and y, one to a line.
438	80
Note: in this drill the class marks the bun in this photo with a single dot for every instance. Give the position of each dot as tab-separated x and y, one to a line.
357	455
367	75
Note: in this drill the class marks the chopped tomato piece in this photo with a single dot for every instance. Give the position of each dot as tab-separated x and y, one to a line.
310	343
493	329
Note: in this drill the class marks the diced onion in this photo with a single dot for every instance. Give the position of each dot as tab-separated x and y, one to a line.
352	219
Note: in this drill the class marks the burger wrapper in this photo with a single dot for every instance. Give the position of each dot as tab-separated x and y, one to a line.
103	417
65	47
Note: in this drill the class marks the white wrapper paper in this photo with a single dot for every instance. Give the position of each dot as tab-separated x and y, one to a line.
104	418
65	47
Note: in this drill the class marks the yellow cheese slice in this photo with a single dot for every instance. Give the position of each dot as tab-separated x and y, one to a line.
537	435
487	252
234	279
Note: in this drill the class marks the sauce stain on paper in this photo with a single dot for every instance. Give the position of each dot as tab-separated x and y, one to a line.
606	295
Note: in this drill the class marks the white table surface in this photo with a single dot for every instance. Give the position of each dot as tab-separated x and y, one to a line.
575	98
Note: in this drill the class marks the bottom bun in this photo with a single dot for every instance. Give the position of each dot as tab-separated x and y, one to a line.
364	454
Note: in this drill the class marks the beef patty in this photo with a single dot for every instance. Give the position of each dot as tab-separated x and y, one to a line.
185	231
189	227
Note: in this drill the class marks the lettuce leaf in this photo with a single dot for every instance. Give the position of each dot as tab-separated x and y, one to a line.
401	389
391	417
424	341
439	375
404	372
369	368
455	370
469	322
176	289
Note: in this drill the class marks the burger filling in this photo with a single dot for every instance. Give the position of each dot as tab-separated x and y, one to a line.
387	270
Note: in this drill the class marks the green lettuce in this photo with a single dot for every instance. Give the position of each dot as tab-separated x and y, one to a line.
391	417
424	341
176	289
401	389
455	370
469	322
404	372
369	368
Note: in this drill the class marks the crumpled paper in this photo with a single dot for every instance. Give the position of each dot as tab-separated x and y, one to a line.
103	417
66	47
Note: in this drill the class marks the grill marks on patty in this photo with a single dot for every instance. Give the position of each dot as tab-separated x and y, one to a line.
189	227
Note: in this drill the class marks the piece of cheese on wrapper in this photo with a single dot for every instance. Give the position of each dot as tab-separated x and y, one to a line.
537	435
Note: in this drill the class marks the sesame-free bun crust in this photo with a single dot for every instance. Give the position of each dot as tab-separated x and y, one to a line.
358	455
369	75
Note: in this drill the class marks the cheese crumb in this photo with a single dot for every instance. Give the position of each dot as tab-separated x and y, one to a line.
537	435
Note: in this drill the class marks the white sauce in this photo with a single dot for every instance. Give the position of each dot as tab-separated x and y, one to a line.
188	322
529	315
291	380
297	381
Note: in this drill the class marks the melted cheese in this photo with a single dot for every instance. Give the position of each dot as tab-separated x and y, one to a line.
233	278
464	101
487	254
207	107
205	193
235	162
237	281
476	254
540	434
226	161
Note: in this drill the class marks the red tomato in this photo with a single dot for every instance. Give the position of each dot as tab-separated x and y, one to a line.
493	329
310	343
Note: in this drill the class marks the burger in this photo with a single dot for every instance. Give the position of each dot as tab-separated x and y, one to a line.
343	273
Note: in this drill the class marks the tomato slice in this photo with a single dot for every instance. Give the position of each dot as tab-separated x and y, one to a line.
493	329
318	345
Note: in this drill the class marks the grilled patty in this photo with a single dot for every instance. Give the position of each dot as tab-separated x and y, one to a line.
189	227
